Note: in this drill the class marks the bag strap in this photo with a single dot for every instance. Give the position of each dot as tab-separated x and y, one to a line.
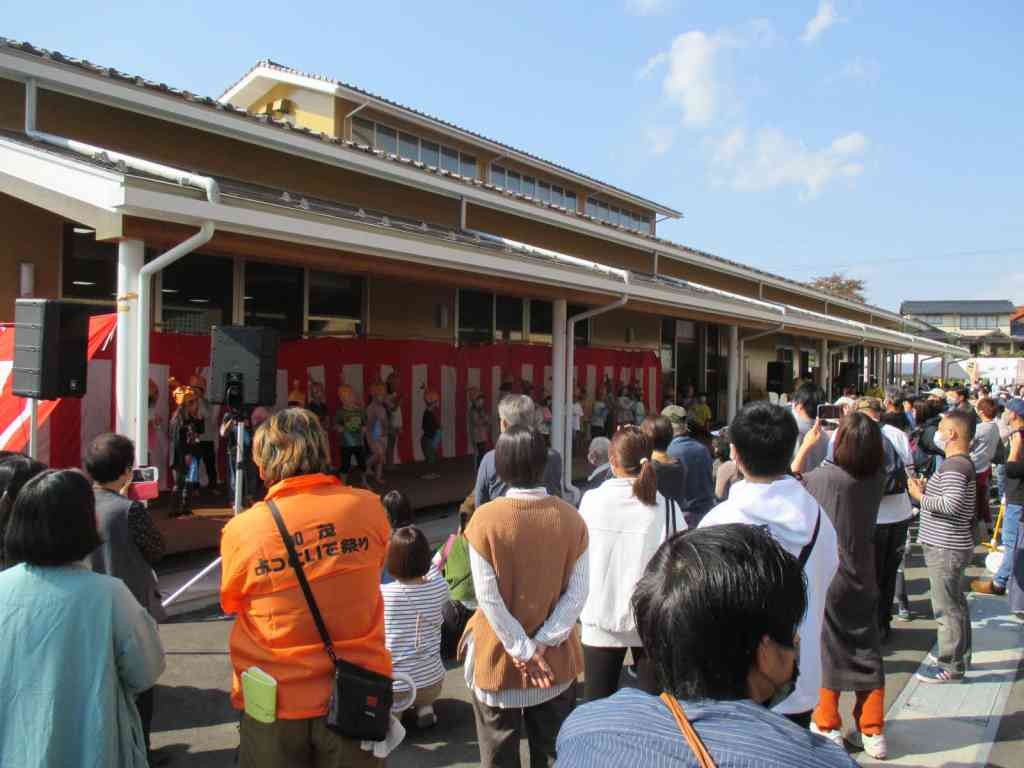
447	550
704	759
670	518
805	553
300	574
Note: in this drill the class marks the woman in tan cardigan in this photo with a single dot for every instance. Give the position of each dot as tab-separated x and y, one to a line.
528	556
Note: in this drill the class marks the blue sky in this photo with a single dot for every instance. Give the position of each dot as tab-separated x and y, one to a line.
879	139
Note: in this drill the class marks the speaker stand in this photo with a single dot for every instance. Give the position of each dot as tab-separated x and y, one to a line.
33	428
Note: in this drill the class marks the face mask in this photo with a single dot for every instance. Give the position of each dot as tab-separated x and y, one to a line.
785	690
940	441
952	402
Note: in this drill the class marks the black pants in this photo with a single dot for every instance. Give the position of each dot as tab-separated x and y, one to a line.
498	730
347	454
144	702
890	547
209	458
603	668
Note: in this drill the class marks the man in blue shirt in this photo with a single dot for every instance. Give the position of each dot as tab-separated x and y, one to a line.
717	610
700	481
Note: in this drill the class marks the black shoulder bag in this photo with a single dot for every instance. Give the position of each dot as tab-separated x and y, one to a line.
361	700
671	528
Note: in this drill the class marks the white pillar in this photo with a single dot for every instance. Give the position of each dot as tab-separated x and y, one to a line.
559	384
131	255
732	381
824	364
917	373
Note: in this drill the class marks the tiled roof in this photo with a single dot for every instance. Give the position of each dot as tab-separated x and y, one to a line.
967	307
214	104
269	64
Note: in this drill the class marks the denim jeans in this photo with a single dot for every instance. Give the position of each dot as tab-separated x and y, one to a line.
949	604
1011	527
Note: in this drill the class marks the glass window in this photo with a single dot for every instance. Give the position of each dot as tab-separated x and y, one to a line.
541	321
468	166
498	176
430	153
387	140
409	146
648	225
335	303
513	182
616	216
362	131
556	196
450	159
570	200
544	191
476	317
602	211
508	318
90	268
528	186
591	209
196	293
273	297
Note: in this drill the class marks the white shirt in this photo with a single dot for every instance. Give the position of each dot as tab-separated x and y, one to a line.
623	535
577	416
790	514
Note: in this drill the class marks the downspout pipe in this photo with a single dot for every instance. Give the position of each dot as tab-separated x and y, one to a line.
203	236
570	355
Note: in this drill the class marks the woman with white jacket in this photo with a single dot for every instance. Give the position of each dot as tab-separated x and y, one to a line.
627	520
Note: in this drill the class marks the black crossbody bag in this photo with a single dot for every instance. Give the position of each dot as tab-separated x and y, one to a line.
361	700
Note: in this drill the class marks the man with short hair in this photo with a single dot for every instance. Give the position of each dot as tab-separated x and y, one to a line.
908	411
718	610
700	483
947	538
804	404
597	456
763	438
515	411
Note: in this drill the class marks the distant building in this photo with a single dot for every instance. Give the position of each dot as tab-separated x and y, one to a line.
989	328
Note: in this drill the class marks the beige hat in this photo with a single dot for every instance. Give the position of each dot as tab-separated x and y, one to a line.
675	413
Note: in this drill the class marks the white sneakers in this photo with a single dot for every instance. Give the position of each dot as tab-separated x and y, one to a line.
873	746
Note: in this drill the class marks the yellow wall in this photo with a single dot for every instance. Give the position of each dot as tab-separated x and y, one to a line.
609	330
405	309
32	235
312	110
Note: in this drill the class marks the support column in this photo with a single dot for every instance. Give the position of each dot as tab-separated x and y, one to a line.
559	387
917	373
131	255
732	380
824	364
944	370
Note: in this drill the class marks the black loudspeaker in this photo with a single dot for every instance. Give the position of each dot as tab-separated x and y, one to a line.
51	342
779	376
243	365
849	375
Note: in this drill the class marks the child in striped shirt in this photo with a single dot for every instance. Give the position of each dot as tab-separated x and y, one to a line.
413	605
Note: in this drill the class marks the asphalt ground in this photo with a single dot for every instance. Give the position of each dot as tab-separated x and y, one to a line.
194	724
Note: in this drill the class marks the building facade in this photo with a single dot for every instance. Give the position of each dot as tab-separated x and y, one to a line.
985	327
308	205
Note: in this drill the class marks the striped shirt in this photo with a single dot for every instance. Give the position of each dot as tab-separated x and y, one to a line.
633	728
947	509
412	628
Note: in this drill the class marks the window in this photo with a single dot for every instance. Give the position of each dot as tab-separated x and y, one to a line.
498	176
387	140
335	304
602	211
617	216
409	146
541	321
570	200
591	208
90	268
468	166
508	318
544	191
450	159
476	317
529	188
513	183
273	297
362	131
556	196
196	292
430	153
979	322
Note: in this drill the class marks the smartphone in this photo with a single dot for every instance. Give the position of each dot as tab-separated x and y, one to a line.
828	412
145	475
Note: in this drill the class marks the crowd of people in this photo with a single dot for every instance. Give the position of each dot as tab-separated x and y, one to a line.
749	580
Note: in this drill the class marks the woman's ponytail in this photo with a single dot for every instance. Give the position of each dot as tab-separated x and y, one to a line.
630	449
646	486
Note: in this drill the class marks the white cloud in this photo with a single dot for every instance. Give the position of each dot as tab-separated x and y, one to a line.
774	160
652	64
659	139
826	17
647	7
691	81
861	69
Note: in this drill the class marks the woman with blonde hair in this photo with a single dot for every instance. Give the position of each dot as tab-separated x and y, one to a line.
341	536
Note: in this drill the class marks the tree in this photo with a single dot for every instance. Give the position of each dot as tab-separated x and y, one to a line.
839	285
